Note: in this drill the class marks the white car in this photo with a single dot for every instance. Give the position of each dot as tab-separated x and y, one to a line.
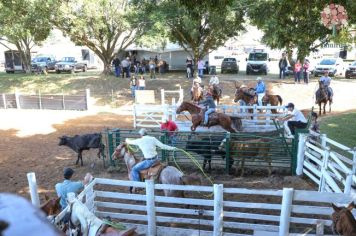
335	66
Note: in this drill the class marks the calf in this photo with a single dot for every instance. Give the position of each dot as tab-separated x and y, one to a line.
79	143
344	222
206	147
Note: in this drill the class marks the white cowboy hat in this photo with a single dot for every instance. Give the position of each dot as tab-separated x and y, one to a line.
142	132
259	78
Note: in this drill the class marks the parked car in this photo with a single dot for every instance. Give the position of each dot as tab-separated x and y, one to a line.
257	62
335	66
70	64
229	64
351	71
43	63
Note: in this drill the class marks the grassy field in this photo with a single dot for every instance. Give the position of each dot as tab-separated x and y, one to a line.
341	128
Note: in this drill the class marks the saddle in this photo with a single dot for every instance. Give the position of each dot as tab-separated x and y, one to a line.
153	172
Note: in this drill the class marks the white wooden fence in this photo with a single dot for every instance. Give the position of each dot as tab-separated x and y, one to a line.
213	210
176	96
331	165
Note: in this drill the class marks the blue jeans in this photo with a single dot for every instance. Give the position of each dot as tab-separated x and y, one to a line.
126	70
282	73
200	72
145	164
141	88
206	116
117	71
133	88
297	76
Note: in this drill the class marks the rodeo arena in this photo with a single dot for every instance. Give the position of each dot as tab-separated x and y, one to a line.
171	201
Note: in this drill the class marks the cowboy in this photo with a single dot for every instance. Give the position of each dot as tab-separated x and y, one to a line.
172	128
325	80
260	90
214	81
69	186
294	119
148	145
196	84
211	106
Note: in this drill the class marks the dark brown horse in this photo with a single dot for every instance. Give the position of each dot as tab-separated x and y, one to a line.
322	97
274	100
344	222
246	94
216	92
215	118
197	94
51	206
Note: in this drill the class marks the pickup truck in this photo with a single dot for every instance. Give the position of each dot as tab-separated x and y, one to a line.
70	64
42	63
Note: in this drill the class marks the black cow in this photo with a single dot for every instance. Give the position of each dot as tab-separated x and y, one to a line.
79	143
206	147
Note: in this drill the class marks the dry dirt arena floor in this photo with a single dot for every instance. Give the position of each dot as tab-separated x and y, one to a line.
29	138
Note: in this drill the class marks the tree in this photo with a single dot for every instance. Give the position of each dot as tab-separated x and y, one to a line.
105	26
198	26
24	23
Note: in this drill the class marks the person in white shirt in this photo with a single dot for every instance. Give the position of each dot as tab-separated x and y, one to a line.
148	145
295	119
214	80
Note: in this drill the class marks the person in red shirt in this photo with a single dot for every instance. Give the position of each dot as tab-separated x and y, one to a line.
171	128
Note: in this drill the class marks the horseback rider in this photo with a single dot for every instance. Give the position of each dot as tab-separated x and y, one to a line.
260	90
148	145
214	84
196	84
325	80
210	104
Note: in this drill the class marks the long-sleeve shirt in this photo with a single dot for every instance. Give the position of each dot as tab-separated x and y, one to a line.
214	80
66	187
260	87
209	102
148	145
325	80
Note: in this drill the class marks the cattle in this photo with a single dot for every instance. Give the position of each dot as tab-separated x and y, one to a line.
206	147
344	222
251	148
79	143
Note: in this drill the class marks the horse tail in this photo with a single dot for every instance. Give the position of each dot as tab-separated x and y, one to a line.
280	100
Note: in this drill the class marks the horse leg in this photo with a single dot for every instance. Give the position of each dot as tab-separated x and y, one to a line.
78	157
209	161
204	163
324	108
319	109
329	106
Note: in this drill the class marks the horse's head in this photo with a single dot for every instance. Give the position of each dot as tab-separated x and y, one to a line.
343	214
120	151
51	206
238	94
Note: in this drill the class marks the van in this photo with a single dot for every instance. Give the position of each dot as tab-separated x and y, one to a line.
257	62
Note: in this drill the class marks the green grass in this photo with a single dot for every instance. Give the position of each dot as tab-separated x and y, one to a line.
341	128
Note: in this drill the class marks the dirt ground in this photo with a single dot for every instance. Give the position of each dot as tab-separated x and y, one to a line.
29	140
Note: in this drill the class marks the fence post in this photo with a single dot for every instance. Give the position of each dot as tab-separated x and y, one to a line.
268	114
89	198
150	207
87	98
255	113
348	183
32	183
181	95
323	140
227	151
17	98
300	154
323	169
162	97
218	209
134	116
110	146
284	220
4	100
39	99
319	228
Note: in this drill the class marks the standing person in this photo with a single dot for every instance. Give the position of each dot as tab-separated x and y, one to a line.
297	71
211	106
148	146
283	64
152	66
172	129
260	90
117	64
143	66
126	67
326	80
294	119
133	85
200	67
306	71
141	83
189	64
69	186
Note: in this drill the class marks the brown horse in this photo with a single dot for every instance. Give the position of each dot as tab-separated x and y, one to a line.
216	92
274	100
322	97
344	222
167	175
197	94
215	118
51	206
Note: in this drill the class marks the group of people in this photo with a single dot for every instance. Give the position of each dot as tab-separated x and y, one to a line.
201	66
300	69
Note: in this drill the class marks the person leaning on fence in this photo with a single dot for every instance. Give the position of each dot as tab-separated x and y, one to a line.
69	186
294	119
172	129
211	106
133	85
148	146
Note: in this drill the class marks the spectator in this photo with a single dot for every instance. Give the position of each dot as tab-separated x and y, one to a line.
117	64
141	83
306	71
283	64
126	67
152	66
171	128
137	67
143	66
189	64
68	186
161	64
294	119
133	85
200	68
297	71
207	67
260	90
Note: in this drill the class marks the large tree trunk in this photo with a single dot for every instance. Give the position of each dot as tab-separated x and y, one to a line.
25	54
107	68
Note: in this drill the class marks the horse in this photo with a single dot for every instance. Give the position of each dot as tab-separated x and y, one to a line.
215	118
322	97
344	222
216	92
248	95
89	223
166	175
274	100
51	206
197	94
